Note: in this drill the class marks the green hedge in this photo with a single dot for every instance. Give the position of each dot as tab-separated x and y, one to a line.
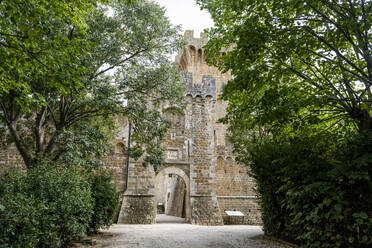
51	206
316	192
19	215
105	198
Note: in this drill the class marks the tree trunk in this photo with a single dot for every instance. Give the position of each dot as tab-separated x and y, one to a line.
365	126
27	158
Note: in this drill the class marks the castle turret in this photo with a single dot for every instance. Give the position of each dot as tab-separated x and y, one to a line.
192	59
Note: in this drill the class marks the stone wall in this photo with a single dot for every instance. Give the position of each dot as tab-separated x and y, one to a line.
10	159
137	209
139	203
205	211
233	179
176	202
247	205
116	162
162	194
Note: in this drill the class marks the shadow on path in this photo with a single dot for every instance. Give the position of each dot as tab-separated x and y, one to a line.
173	232
167	219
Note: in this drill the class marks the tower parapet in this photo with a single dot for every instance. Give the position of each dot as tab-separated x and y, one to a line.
207	86
192	59
197	42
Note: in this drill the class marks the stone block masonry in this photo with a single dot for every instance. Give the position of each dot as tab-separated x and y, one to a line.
137	209
205	211
11	159
245	204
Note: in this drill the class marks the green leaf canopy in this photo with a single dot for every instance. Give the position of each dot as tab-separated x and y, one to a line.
294	63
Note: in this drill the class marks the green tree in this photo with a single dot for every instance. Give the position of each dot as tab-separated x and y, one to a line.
295	64
36	38
299	112
120	65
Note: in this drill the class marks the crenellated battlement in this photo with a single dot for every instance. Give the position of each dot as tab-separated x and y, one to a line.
207	86
196	42
192	58
192	55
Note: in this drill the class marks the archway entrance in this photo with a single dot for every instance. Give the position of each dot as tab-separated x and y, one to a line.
172	195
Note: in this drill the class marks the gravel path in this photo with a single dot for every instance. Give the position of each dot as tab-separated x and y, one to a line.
174	233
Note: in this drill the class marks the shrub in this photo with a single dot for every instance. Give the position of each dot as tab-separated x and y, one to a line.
19	213
70	205
105	198
48	207
316	191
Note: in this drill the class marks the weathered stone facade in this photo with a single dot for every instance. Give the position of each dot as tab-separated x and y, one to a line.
198	151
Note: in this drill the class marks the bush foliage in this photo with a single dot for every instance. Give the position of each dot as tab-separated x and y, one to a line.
304	103
105	198
316	191
51	206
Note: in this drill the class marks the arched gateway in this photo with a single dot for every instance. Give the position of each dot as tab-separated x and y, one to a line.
172	169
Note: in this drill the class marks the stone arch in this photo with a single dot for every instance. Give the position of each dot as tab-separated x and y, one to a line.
243	169
228	165
198	98
192	50
200	55
120	148
236	168
174	112
181	173
209	99
220	163
188	98
173	108
184	59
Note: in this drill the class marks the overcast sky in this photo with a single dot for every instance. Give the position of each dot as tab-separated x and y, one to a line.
188	14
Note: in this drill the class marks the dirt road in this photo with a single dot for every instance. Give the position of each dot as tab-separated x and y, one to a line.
171	232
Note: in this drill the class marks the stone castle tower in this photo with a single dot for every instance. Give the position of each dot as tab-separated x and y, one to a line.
197	151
